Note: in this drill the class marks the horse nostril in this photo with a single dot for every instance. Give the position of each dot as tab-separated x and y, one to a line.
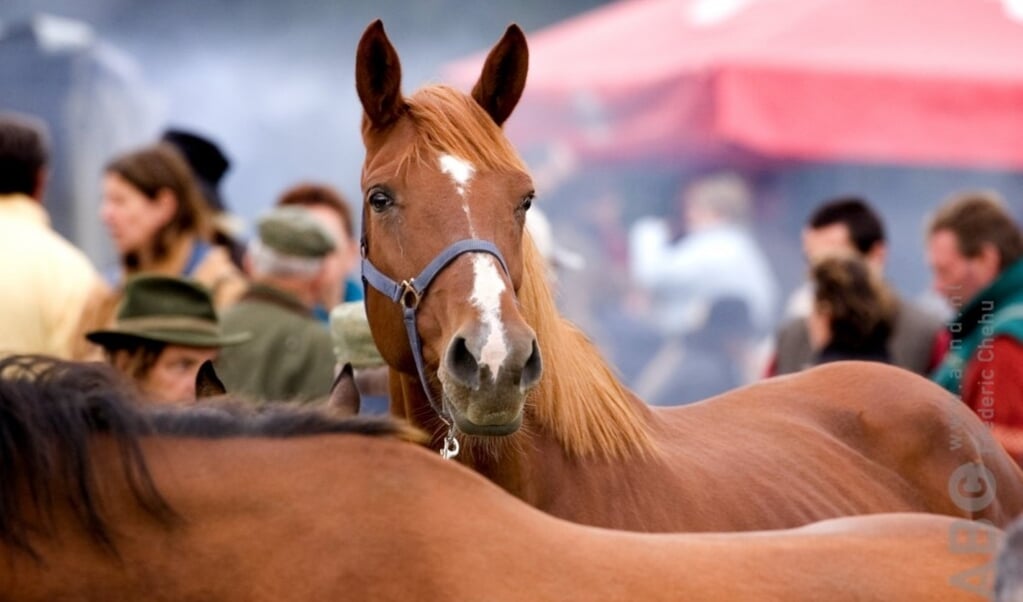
533	369
462	364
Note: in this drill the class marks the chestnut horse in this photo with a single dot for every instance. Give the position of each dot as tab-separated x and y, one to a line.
459	305
102	501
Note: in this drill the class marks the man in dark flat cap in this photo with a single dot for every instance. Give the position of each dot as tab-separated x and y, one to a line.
290	356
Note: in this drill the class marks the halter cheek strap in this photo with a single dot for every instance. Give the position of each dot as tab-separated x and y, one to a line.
410	292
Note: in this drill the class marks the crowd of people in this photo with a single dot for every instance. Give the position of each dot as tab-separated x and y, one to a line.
845	310
188	288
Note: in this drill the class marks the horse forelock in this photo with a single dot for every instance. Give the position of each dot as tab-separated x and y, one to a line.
450	122
579	399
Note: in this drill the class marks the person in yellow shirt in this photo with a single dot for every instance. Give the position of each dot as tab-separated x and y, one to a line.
47	280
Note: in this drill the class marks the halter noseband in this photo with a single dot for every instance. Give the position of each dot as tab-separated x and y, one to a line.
410	292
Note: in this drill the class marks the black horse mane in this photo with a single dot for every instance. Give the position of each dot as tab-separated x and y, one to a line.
50	408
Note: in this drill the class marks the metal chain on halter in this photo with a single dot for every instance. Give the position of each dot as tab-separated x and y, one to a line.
409	293
450	447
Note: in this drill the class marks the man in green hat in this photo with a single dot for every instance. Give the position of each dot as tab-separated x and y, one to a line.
290	356
166	328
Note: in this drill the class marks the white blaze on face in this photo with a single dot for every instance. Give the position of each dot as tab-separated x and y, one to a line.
487	284
461	172
486	297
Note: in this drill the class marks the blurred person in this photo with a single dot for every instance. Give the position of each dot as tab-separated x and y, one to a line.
209	164
718	258
353	344
597	296
159	222
556	257
166	327
290	356
975	252
330	207
853	310
851	225
48	282
708	361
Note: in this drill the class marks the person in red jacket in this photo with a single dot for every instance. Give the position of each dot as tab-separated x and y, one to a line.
975	252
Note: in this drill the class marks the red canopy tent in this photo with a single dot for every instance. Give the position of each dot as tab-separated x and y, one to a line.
928	82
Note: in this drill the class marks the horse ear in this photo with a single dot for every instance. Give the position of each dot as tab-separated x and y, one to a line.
378	77
207	383
344	395
504	75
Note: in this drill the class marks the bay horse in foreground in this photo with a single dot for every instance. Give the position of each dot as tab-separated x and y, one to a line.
104	501
459	305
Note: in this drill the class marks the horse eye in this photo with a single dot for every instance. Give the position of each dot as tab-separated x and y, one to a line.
380	201
527	202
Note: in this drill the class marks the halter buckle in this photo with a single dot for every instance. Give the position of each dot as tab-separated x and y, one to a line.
409	296
451	447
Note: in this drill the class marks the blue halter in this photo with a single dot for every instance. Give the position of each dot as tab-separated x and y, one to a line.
410	292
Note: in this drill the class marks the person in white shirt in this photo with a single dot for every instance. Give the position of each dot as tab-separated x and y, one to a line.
718	257
686	283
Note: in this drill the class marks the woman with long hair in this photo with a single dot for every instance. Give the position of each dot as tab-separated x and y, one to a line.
158	222
853	310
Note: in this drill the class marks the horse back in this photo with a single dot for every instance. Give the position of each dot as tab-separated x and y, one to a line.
899	424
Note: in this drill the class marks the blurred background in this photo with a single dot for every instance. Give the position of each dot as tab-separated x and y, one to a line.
273	83
902	102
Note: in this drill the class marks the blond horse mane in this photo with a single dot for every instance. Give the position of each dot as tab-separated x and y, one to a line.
579	399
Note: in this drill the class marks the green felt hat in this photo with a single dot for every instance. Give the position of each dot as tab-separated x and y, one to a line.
166	310
296	232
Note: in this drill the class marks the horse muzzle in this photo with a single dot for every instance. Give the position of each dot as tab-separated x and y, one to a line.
486	396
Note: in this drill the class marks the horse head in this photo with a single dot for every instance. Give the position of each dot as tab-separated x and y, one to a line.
445	197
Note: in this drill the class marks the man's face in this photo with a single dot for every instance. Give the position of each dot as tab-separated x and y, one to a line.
956	277
827	240
172	377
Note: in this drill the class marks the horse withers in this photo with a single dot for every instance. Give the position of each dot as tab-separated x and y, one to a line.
459	305
103	500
